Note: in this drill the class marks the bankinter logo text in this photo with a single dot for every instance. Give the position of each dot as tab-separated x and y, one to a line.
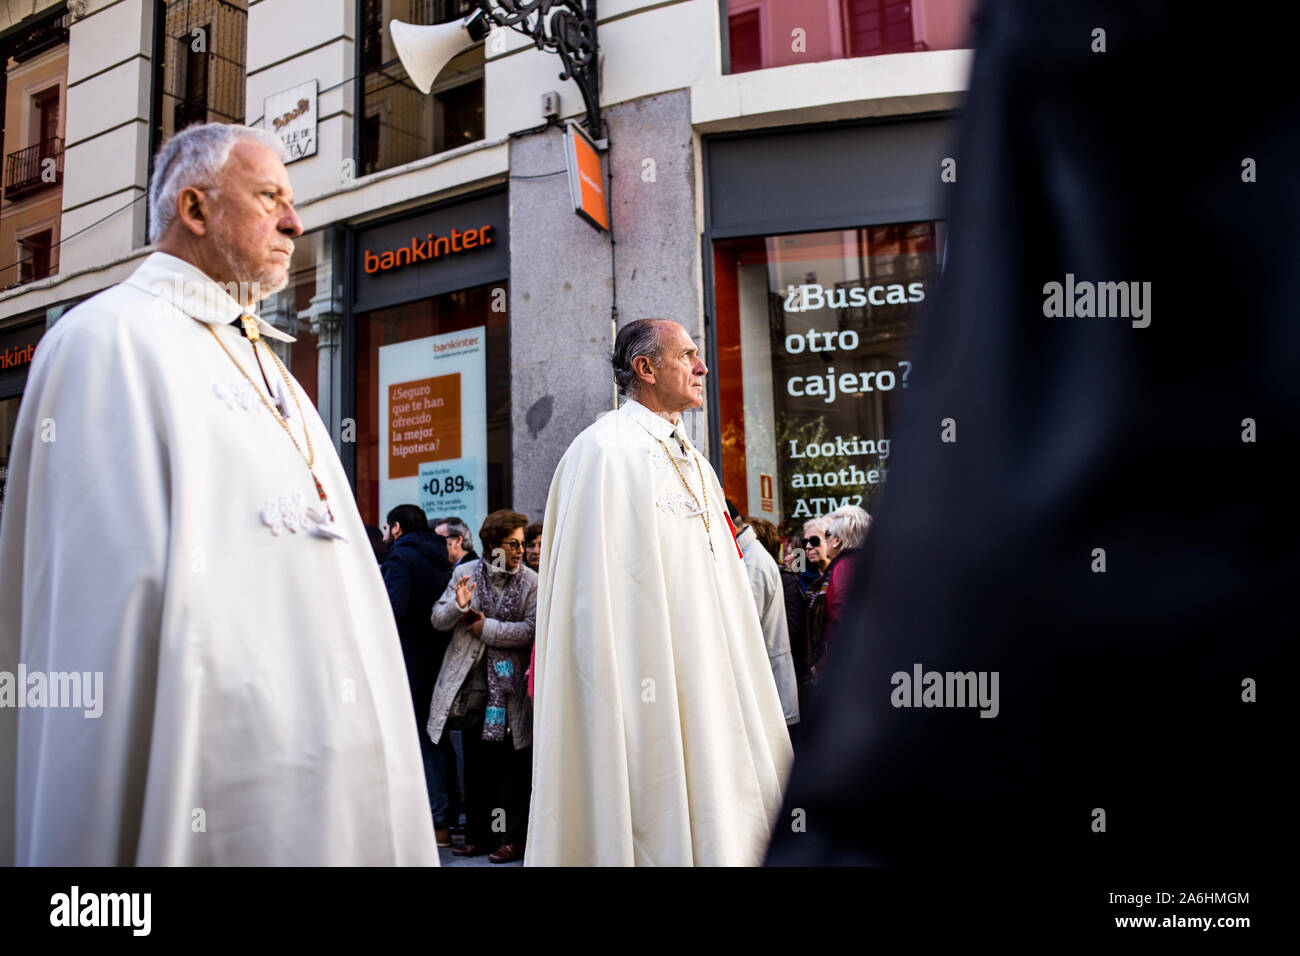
431	247
16	355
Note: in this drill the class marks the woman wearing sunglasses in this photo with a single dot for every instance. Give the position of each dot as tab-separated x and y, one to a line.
814	545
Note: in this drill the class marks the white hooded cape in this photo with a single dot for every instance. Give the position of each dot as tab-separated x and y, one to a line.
254	702
658	734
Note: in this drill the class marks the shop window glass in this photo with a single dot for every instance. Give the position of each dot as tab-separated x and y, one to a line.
766	33
399	124
433	406
20	336
814	344
8	420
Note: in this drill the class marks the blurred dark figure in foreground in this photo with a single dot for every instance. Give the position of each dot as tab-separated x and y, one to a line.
1102	534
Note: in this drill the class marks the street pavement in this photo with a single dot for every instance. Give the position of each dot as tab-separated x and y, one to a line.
446	859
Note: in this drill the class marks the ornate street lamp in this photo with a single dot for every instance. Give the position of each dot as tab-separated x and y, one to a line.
566	27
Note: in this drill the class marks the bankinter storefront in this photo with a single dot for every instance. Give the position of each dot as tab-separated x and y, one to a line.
819	284
432	388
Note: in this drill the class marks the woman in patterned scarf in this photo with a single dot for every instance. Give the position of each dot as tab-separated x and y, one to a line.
492	604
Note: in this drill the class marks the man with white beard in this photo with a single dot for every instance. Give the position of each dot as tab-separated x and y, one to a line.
659	735
255	707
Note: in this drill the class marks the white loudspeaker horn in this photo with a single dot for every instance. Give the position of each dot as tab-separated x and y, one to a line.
424	51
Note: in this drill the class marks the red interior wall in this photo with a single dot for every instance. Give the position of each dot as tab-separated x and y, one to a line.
730	377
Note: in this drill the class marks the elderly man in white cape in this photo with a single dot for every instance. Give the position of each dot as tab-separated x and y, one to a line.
659	735
179	535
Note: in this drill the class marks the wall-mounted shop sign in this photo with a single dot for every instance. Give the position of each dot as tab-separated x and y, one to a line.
441	250
586	177
430	247
17	355
17	347
291	115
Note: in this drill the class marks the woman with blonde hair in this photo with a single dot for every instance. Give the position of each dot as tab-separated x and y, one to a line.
846	530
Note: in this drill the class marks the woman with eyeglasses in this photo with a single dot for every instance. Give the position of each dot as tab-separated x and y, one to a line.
491	603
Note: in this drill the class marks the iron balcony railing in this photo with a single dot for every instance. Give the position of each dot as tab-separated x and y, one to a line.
27	171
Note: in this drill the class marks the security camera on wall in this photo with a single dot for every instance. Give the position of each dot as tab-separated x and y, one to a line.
426	50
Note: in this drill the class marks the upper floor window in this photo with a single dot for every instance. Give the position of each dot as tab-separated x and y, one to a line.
199	74
34	256
37	165
399	124
199	50
33	81
45	114
766	33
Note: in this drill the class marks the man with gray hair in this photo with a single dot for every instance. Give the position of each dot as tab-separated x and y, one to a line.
255	702
460	540
661	739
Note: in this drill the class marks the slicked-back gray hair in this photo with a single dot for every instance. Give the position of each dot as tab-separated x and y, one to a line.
850	524
635	339
456	527
195	157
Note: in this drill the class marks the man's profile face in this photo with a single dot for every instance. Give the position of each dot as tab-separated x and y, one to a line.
454	541
533	552
679	379
253	221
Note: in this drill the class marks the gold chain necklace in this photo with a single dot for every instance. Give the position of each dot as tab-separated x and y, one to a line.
309	456
704	490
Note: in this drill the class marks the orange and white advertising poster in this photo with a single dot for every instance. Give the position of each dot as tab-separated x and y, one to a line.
423	423
433	425
586	178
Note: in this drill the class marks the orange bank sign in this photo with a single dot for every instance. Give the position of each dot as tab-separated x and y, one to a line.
427	249
17	355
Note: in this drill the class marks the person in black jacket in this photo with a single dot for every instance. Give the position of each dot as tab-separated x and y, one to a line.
416	571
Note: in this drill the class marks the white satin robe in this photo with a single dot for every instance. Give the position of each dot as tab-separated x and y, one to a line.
255	708
658	734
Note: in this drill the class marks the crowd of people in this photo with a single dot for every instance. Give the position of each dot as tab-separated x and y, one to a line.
654	746
467	626
801	585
